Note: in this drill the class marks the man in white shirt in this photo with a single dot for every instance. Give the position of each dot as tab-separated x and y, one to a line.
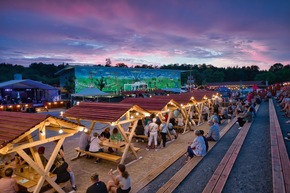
153	130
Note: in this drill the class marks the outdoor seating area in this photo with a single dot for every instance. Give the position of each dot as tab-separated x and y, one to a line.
21	135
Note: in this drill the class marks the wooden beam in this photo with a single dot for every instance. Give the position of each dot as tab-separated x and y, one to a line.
35	143
128	141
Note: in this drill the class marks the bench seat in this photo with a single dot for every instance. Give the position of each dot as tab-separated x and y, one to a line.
179	129
101	155
135	148
144	137
52	190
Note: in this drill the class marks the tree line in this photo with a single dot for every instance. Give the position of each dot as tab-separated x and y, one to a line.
202	73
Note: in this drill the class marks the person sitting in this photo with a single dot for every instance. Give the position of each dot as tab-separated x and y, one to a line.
197	147
116	136
205	140
97	186
84	142
172	130
214	116
7	183
106	133
95	146
214	132
120	183
43	159
62	170
246	117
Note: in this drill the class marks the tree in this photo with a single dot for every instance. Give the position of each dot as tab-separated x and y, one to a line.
101	83
108	62
276	67
69	84
121	65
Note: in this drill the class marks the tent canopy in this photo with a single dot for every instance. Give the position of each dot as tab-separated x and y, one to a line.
87	92
25	84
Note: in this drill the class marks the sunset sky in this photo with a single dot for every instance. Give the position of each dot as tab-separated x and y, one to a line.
218	32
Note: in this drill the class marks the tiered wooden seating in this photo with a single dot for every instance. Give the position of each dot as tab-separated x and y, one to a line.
101	155
221	174
279	156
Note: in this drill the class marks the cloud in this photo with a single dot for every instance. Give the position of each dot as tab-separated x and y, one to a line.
138	32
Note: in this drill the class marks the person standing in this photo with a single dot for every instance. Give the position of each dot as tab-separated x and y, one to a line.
153	130
7	183
97	186
163	130
205	112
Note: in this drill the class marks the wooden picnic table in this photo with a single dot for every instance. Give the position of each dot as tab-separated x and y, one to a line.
27	177
113	143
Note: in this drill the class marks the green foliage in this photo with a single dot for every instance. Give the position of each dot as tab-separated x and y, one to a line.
202	73
36	71
69	84
101	83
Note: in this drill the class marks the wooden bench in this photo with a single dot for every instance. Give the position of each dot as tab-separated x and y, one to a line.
142	137
101	155
52	190
135	148
222	172
178	128
172	184
279	156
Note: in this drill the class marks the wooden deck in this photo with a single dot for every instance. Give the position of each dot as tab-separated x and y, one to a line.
101	155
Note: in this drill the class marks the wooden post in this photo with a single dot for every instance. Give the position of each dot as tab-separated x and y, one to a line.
128	141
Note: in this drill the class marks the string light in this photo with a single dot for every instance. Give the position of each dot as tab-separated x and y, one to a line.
60	130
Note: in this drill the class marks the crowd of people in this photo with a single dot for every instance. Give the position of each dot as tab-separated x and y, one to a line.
283	99
157	132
